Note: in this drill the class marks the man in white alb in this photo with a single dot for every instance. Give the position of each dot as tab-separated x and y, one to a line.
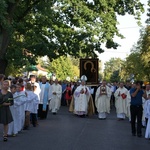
121	101
55	101
44	98
102	100
81	98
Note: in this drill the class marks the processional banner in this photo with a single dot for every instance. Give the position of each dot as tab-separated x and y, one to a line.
89	67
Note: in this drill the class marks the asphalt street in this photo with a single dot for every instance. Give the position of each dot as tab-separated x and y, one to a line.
66	131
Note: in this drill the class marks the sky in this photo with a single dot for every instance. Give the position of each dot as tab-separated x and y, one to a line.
130	30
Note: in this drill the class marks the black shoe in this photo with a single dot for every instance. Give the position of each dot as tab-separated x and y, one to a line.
102	118
133	134
120	119
82	116
139	135
26	128
5	138
34	125
54	113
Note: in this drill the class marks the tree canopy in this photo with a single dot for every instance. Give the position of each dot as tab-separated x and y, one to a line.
32	28
138	62
63	67
112	69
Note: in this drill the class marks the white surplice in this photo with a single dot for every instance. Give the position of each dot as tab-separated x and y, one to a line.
102	102
128	105
12	127
38	89
55	101
147	115
81	100
36	101
32	102
19	104
120	102
147	92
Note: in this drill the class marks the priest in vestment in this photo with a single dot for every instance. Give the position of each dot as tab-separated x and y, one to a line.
81	97
82	103
55	101
121	101
102	100
44	98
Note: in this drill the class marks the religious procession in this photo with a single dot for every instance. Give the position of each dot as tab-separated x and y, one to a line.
25	101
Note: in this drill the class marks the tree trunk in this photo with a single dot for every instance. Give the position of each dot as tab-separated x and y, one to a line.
4	42
5	34
3	65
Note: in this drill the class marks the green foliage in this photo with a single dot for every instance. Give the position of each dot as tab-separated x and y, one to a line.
112	69
59	27
115	76
13	71
145	52
138	62
148	14
63	68
100	73
75	61
133	65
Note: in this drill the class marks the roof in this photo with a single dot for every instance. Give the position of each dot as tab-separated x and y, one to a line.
40	68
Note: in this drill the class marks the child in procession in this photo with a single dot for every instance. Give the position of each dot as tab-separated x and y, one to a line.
12	130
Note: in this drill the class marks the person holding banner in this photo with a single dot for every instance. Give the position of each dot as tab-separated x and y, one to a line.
82	99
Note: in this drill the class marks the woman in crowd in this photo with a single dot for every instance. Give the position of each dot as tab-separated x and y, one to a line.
68	95
5	114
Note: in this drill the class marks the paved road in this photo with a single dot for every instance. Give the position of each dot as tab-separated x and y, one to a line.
65	131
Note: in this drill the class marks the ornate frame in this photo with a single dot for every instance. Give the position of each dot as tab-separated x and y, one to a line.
89	67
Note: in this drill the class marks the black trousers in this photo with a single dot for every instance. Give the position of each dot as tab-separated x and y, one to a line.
42	114
146	119
136	115
112	100
63	100
33	119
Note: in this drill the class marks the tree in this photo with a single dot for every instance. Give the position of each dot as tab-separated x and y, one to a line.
63	68
32	28
145	46
100	73
138	62
112	69
144	43
11	70
134	66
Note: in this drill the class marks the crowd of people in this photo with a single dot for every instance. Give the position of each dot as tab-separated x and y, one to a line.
24	101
